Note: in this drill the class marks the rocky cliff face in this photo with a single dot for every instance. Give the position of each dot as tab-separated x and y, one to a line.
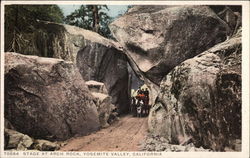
200	99
47	98
158	38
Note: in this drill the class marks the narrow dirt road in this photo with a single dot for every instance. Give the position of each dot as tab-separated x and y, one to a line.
124	135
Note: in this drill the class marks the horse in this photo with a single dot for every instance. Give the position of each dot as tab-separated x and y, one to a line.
139	108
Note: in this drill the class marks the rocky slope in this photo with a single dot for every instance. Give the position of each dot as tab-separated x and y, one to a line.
200	99
47	98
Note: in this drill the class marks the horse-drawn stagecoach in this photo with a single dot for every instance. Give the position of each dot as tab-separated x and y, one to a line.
140	103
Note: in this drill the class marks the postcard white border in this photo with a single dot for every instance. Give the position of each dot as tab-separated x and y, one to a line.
245	77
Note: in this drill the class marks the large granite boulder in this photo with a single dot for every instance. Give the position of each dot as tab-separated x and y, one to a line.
158	38
47	98
200	99
106	110
95	56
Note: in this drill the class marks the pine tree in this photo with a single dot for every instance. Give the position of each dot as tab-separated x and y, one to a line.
91	17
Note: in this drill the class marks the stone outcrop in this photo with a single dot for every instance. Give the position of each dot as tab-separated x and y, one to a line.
47	98
106	110
153	40
200	99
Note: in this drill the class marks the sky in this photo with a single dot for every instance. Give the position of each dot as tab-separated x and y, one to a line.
114	10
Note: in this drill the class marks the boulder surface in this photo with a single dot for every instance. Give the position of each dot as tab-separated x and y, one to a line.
106	110
47	98
158	38
200	99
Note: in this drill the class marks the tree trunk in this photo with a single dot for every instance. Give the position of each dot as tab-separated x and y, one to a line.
95	18
15	29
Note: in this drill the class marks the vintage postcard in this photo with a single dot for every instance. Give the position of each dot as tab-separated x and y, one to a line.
125	79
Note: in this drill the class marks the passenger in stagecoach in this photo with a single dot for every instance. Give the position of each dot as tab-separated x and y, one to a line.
139	94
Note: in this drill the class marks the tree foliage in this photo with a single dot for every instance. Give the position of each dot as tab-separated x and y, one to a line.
22	18
91	17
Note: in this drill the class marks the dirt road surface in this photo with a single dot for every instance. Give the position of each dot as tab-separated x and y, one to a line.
124	135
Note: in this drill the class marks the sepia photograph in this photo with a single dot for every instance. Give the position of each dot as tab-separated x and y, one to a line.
124	79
